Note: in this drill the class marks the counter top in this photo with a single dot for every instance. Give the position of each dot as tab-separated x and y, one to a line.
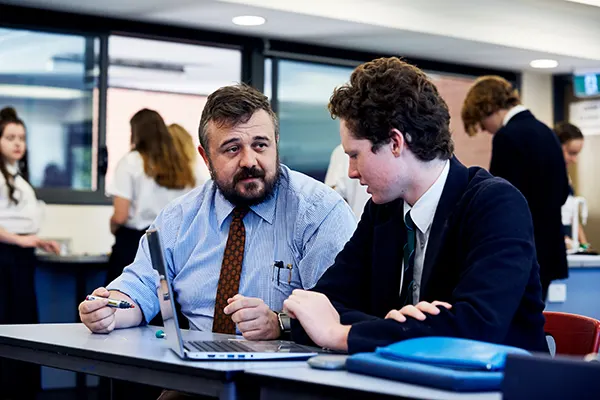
74	258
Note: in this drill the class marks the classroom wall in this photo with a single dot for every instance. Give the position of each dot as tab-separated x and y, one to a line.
537	95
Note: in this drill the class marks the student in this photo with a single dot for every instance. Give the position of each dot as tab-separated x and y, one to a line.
571	141
185	145
526	153
20	218
148	178
350	189
289	229
440	250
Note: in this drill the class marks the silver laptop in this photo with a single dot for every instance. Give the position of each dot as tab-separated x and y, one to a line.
228	349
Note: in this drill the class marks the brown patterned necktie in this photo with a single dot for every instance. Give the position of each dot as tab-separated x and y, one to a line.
231	270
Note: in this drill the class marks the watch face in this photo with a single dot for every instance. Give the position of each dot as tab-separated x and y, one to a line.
284	322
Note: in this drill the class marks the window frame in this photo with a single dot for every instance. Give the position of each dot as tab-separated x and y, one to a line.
254	51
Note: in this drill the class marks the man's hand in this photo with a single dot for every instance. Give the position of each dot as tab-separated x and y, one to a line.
417	312
96	315
253	317
319	319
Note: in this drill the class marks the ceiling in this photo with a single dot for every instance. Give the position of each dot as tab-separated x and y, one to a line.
502	34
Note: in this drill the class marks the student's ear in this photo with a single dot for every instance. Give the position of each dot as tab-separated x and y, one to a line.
397	142
203	154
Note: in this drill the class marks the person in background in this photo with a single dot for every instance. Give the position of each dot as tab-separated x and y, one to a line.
20	218
185	145
350	189
571	141
526	153
146	179
440	250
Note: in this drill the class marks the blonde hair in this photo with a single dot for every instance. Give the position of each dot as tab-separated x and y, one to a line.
162	160
487	95
183	142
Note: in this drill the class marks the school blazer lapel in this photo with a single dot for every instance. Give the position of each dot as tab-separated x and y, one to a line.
456	183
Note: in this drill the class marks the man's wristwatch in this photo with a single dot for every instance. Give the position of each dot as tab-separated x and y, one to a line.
284	323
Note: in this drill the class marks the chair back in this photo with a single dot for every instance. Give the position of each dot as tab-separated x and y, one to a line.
573	334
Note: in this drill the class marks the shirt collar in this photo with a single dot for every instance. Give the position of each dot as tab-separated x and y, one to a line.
12	169
265	210
512	112
423	211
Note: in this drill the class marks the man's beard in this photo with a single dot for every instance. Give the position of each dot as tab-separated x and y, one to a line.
232	195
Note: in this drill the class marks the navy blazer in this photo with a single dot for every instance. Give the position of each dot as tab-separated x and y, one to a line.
480	258
527	153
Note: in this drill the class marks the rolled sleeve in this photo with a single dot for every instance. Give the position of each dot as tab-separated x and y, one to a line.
325	240
139	280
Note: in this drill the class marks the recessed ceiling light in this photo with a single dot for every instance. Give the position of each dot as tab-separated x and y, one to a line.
248	20
587	2
544	63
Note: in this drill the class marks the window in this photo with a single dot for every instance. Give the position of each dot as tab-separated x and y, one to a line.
172	78
51	80
308	134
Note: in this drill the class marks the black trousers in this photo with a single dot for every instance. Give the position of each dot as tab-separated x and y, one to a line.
18	305
123	251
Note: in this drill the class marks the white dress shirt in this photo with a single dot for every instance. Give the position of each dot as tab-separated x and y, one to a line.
422	214
512	112
24	217
350	189
146	197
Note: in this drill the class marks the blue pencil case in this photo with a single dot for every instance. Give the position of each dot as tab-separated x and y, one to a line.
455	364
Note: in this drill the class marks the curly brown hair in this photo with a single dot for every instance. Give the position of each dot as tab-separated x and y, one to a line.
388	93
487	95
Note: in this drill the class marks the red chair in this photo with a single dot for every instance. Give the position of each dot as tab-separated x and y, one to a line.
574	334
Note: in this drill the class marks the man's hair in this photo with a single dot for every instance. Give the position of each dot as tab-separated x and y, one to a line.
567	132
230	106
388	93
487	95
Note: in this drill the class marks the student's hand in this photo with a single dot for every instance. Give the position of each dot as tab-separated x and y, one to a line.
34	241
50	246
96	315
417	312
28	241
253	317
319	319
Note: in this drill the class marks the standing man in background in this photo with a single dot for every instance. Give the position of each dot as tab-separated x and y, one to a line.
526	153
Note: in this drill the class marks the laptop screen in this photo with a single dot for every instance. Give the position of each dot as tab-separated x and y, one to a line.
165	294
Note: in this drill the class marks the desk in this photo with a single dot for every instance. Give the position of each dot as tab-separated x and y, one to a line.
73	276
135	355
303	382
581	287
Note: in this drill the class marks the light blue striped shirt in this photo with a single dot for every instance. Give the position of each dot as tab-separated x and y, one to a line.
305	224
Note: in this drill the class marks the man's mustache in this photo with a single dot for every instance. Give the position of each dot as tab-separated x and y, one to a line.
246	173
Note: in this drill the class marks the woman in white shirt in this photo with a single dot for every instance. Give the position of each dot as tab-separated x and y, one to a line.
146	179
20	217
571	141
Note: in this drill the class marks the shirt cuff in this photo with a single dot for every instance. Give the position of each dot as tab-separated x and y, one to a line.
146	299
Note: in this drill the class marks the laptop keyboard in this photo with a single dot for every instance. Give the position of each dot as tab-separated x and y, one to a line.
219	346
